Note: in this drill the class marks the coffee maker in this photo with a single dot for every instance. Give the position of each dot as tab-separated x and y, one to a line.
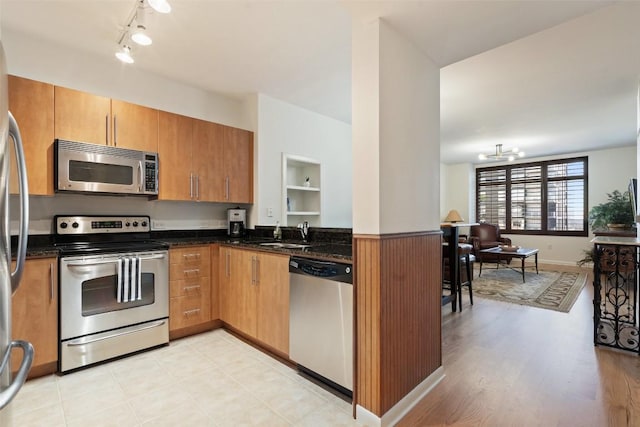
236	222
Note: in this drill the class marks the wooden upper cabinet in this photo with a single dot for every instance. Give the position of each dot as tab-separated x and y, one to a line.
31	103
174	152
81	116
238	165
84	117
207	161
134	126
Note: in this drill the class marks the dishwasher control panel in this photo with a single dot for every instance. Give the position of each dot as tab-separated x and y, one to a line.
323	269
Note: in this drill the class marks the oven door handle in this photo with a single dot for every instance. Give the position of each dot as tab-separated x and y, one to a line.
110	261
127	331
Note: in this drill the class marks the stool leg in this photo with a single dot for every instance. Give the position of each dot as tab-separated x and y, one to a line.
470	278
459	285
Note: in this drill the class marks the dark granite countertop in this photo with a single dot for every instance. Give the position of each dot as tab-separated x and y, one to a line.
40	246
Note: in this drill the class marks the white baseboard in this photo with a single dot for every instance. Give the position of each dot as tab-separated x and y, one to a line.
400	409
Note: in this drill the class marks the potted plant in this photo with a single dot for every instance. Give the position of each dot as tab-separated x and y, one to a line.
615	213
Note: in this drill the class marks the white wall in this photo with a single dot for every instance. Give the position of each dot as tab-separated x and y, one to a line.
286	128
609	170
458	190
45	61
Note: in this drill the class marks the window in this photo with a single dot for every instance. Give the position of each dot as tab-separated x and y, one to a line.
547	197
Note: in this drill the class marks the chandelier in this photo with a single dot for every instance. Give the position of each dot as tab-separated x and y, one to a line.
509	155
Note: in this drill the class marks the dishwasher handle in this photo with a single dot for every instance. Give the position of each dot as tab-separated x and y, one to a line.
334	271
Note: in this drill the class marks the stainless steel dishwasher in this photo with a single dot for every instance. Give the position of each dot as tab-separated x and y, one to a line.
321	320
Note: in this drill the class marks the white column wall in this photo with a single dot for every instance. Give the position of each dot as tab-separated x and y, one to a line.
365	101
395	134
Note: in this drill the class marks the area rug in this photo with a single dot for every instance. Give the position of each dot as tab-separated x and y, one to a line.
553	290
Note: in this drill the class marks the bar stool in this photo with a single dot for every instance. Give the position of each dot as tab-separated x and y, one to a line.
465	272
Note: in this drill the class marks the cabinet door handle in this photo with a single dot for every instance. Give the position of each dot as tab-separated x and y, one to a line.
253	270
226	188
191	186
51	281
257	271
198	187
115	130
106	129
226	265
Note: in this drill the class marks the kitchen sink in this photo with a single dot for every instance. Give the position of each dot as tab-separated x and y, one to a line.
285	245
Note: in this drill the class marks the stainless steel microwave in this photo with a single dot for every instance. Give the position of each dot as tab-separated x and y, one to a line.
92	168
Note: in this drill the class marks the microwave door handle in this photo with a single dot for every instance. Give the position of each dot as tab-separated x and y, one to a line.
140	176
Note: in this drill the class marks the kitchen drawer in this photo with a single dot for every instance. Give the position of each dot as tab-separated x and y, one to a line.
191	255
189	272
189	311
196	287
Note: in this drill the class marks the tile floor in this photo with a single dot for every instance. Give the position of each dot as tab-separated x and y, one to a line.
210	379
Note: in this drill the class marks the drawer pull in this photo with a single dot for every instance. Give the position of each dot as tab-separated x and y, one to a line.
190	288
191	256
188	313
193	272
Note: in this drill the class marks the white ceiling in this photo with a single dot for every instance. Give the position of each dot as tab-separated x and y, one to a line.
549	77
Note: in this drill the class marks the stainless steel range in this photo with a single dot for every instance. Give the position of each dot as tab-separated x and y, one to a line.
114	288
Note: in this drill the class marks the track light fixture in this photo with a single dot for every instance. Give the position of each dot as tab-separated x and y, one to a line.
161	6
138	32
502	155
124	54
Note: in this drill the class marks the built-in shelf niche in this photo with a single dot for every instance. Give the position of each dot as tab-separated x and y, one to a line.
301	201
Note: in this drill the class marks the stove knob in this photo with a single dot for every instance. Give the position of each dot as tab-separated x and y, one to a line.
127	224
75	225
144	223
135	223
63	225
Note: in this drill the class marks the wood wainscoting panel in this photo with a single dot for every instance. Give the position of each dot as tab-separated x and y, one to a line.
398	315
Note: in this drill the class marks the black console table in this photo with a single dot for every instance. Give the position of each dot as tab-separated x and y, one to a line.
615	301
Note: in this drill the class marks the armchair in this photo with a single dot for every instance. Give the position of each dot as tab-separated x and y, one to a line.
485	236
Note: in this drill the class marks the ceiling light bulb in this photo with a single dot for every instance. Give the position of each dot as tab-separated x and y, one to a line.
124	55
511	158
140	36
521	153
482	157
515	150
161	6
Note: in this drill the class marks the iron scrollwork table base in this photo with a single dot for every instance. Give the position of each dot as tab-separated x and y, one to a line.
615	302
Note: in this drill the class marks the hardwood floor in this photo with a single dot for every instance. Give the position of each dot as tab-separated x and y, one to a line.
511	365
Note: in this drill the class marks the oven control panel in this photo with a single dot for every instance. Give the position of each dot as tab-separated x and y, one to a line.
102	224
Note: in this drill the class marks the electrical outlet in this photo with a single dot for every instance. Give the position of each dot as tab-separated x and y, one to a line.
269	212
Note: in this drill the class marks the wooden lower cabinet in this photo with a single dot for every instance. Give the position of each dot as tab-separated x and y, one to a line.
189	286
254	295
34	315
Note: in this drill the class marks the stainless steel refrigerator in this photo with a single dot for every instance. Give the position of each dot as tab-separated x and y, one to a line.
10	280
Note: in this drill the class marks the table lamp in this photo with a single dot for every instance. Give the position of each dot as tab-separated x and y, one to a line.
453	216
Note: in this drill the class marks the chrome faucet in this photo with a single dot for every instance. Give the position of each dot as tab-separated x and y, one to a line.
304	230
